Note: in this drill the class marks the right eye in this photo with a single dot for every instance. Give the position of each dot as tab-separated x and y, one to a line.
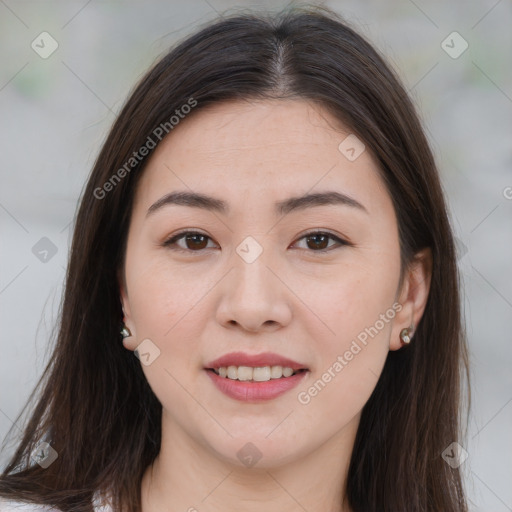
194	241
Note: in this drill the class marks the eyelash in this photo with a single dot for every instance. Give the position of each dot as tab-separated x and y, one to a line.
171	242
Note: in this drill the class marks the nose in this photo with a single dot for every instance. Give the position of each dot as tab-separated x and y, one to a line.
254	298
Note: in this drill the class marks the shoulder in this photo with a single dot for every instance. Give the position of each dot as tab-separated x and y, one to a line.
21	506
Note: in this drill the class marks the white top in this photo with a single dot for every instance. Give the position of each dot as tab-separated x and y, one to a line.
21	506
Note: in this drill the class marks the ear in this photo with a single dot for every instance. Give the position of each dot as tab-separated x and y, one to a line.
412	296
129	342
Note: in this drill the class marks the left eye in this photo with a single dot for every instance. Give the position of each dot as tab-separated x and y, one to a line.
317	241
195	241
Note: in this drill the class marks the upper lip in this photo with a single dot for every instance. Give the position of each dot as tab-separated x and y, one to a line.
254	360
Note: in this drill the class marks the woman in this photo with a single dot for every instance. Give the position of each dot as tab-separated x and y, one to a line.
266	229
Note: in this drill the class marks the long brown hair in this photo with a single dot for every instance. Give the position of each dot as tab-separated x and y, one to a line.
96	408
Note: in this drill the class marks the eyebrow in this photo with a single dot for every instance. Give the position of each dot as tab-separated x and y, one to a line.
197	200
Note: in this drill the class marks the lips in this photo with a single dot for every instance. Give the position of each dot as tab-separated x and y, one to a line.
254	360
255	392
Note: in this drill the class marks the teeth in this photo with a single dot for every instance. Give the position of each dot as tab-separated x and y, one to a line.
244	372
232	372
287	372
258	374
276	372
262	374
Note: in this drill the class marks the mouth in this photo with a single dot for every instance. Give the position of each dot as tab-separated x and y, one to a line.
255	377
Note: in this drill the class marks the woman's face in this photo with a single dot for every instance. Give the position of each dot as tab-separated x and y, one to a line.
249	279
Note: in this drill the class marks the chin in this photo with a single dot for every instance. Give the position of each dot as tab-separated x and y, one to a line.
258	451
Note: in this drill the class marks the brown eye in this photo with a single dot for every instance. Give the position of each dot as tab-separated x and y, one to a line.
196	241
318	241
193	241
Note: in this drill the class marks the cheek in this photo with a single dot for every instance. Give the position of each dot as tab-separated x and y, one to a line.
165	310
360	314
164	306
162	296
359	310
355	298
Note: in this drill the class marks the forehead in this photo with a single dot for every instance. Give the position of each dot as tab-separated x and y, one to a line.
249	126
258	147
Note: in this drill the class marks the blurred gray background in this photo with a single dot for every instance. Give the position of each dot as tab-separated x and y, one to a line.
57	108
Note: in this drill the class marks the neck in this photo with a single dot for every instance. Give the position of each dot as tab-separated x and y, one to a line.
190	476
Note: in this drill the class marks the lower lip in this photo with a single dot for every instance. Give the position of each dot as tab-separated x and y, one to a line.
248	391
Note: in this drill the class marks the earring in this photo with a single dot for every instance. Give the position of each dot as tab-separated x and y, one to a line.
406	335
125	332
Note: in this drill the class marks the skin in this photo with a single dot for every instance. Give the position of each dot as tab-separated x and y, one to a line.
293	299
